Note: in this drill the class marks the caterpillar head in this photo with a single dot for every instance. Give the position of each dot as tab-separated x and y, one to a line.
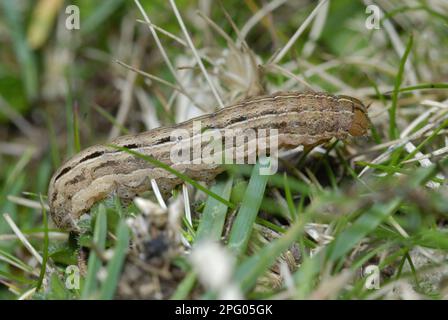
360	122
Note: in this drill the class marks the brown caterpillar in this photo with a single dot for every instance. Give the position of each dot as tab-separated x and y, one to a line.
304	119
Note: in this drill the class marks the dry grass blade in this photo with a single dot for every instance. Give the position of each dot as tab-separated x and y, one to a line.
24	240
280	55
196	55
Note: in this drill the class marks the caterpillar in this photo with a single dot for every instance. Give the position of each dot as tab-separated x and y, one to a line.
306	119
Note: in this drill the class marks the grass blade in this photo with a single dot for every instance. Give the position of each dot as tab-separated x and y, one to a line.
361	228
210	228
110	118
104	10
252	268
214	215
393	132
43	268
23	52
423	86
184	288
242	226
116	263
99	240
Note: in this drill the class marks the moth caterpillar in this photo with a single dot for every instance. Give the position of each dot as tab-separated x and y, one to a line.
304	119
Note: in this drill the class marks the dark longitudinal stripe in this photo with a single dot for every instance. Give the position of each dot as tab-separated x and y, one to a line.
234	120
63	171
131	146
75	180
162	140
238	119
93	155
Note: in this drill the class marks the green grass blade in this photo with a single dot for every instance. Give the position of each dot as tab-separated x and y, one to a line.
381	97
69	115
43	268
365	224
214	215
403	9
19	279
110	118
423	86
393	132
76	138
346	240
114	267
305	277
426	141
277	180
242	226
252	268
184	288
210	228
25	56
54	148
104	10
99	241
289	200
13	261
373	217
